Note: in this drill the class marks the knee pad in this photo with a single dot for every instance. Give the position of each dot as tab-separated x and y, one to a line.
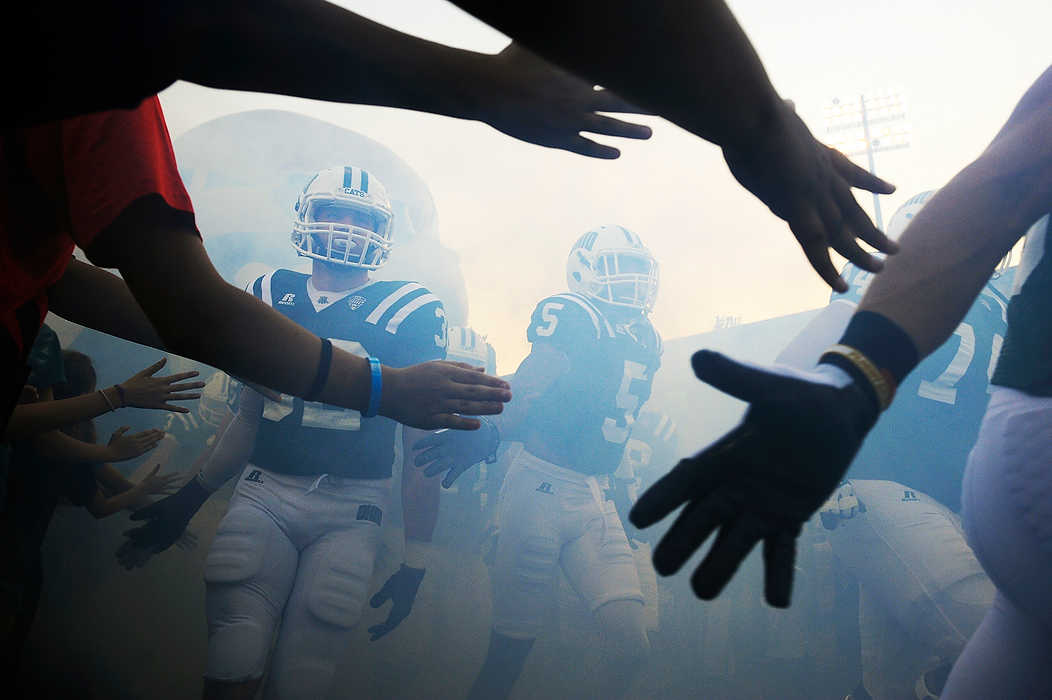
238	548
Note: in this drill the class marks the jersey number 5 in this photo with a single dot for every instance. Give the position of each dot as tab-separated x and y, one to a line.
616	430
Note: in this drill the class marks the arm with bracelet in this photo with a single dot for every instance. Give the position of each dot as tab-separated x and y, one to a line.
766	477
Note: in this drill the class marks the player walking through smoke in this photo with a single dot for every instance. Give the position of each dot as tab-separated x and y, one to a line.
593	358
297	547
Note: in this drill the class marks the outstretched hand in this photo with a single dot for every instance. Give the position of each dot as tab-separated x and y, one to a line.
808	184
121	447
536	101
763	479
434	394
144	390
455	451
165	522
401	590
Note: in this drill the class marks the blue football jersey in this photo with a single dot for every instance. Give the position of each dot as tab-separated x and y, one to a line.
587	414
401	323
924	438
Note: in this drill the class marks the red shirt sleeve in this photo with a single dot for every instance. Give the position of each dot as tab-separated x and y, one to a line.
111	159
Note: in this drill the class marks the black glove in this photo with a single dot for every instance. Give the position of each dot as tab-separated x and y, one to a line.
401	589
457	450
765	478
166	521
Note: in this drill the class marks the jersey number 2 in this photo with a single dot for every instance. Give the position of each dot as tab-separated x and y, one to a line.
616	430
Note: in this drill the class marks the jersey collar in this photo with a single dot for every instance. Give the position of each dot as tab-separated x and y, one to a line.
323	299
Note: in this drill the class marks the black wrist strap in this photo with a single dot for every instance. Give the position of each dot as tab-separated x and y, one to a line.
322	374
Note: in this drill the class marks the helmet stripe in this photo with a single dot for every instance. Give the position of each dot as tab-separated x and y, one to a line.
365	182
348	176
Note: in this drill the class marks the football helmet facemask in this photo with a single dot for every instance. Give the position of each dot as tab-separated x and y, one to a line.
344	216
611	265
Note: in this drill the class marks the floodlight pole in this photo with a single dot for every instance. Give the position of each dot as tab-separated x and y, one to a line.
872	162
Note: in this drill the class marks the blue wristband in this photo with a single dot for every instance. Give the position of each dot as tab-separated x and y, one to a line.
374	388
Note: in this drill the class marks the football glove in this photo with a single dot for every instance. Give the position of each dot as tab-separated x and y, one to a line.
763	479
457	450
166	521
401	590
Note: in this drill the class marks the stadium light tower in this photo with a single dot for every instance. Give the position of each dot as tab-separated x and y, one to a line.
868	124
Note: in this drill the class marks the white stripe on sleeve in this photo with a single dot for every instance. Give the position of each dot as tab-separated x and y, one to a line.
403	313
393	297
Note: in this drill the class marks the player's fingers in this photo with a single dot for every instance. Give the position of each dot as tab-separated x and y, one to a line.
587	147
861	225
692	478
453	474
463	373
813	237
455	422
152	369
739	379
432	440
380	598
732	545
779	555
183	397
690	530
438	466
842	240
610	126
428	456
378	631
180	376
857	176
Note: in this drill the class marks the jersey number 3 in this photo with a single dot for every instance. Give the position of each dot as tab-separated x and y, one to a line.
616	430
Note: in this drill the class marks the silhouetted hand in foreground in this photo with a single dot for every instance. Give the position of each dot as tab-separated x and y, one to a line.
762	480
808	184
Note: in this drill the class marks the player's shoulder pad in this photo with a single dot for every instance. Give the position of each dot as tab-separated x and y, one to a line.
393	302
650	337
570	316
275	284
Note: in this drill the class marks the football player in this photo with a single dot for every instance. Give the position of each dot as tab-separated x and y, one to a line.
922	592
296	549
592	361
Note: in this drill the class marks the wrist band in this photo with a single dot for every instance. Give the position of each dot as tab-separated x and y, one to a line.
322	373
107	400
883	342
120	393
880	382
375	387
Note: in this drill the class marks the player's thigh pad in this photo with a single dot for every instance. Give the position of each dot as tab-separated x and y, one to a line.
599	564
527	553
335	572
248	574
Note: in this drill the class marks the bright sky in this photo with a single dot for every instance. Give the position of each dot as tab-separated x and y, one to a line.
511	210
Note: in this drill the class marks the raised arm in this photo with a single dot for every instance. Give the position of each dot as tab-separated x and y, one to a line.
690	62
197	314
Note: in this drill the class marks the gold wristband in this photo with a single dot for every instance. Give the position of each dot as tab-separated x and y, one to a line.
881	384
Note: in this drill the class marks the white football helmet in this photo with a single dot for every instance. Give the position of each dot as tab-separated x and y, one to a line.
343	216
904	214
610	264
